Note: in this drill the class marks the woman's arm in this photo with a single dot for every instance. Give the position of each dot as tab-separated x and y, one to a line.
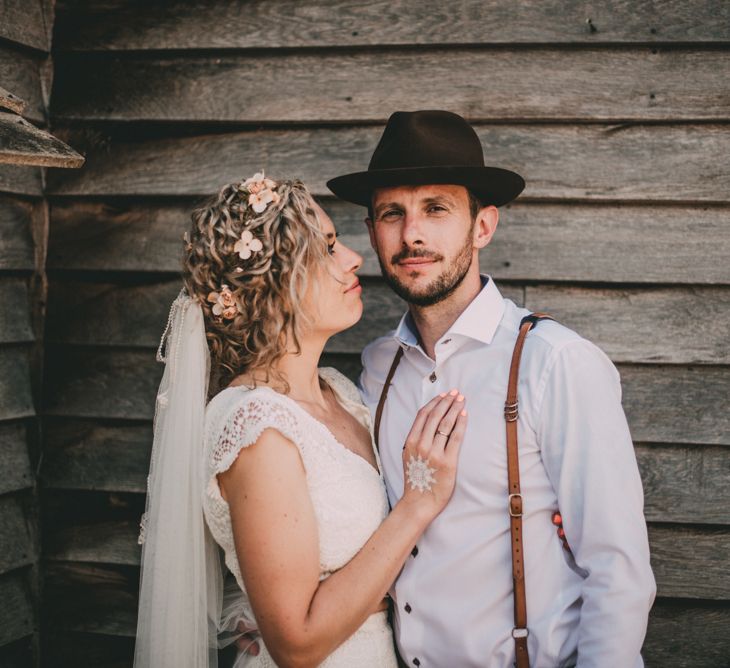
302	620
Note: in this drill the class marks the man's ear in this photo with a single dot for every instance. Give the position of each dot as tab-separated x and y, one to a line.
486	225
371	232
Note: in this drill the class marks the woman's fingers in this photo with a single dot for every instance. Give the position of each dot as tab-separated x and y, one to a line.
456	438
446	426
434	420
414	434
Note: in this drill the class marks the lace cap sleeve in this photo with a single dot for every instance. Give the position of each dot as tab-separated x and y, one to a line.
239	425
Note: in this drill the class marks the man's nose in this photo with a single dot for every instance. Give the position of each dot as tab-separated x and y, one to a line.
412	231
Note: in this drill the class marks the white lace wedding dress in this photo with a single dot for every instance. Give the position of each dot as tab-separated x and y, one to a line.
347	493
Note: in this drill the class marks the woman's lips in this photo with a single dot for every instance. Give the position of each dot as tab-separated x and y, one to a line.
355	286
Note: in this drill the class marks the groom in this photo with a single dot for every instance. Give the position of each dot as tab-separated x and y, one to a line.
432	205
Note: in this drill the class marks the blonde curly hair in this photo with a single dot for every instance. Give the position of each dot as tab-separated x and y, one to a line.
268	288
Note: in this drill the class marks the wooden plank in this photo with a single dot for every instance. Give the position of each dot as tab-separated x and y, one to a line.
17	533
664	404
21	74
113	384
93	599
11	102
687	635
21	180
19	653
15	324
27	22
226	24
576	162
690	562
17	251
565	242
90	649
92	456
14	461
699	573
16	612
111	542
677	404
21	143
669	325
694	321
16	398
597	84
134	315
685	484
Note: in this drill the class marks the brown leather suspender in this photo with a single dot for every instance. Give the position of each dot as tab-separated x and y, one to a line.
514	501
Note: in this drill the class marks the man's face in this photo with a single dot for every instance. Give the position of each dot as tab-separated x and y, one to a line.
427	240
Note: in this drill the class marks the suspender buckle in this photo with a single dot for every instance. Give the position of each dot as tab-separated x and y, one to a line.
514	503
510	411
520	633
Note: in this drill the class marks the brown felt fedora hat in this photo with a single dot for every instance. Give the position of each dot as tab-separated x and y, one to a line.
429	147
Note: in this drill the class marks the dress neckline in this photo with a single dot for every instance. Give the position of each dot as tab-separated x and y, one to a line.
321	425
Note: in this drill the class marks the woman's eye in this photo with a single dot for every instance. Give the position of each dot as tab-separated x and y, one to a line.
331	249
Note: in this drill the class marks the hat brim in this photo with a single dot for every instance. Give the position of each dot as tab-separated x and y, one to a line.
492	185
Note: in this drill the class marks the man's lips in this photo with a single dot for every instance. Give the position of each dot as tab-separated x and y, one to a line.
415	261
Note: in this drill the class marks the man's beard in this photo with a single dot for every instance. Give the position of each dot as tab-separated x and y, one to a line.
443	285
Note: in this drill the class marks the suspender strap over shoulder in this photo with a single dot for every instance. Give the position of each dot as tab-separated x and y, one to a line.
384	395
514	500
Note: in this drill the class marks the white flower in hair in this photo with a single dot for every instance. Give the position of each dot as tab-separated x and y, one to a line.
247	245
260	200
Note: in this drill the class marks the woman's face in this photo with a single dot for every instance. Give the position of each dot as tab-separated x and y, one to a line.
336	303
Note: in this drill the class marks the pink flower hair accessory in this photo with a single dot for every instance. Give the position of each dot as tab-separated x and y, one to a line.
225	306
261	191
247	245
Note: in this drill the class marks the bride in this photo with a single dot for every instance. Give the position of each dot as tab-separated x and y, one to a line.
277	473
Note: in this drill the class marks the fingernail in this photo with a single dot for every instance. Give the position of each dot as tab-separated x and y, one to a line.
463	413
442	394
453	393
460	397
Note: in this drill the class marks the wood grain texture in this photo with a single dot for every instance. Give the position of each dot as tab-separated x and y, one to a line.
135	316
561	242
623	322
690	562
483	85
16	234
123	384
21	143
668	325
14	461
21	180
21	75
11	102
86	455
27	22
577	162
15	323
687	635
17	533
16	399
16	611
685	484
112	542
677	404
226	24
91	598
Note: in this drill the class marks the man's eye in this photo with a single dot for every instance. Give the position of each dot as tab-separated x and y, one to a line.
437	207
391	213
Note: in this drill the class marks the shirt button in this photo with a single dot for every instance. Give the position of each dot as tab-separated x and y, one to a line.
416	662
414	551
432	377
407	608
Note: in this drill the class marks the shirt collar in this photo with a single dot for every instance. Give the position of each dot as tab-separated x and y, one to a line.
478	321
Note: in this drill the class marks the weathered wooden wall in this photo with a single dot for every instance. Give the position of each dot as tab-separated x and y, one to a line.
25	34
617	114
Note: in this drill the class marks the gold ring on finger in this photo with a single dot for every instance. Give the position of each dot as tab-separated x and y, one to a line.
443	433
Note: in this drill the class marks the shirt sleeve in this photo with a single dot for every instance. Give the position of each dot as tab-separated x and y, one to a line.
590	460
